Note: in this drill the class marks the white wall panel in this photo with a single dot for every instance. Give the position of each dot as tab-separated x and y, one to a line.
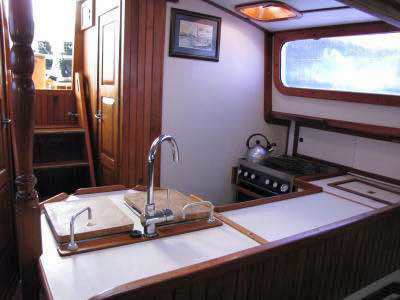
325	145
212	107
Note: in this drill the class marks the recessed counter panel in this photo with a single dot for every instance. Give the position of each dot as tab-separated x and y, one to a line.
282	219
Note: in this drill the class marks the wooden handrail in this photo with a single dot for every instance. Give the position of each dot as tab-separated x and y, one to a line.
22	94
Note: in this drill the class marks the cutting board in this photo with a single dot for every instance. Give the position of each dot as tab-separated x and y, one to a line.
138	200
107	217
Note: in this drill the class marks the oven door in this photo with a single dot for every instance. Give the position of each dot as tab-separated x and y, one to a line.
246	192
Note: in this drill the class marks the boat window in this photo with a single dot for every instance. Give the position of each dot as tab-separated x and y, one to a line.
360	66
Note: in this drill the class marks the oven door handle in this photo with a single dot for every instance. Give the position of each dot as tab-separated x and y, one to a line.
247	192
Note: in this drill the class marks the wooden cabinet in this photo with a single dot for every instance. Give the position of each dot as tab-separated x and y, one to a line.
108	96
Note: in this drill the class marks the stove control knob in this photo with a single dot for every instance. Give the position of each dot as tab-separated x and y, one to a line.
284	188
275	185
253	176
267	181
246	174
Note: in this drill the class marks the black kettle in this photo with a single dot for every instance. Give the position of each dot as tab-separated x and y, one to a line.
258	153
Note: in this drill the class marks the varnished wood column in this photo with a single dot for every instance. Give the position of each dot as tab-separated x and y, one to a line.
22	106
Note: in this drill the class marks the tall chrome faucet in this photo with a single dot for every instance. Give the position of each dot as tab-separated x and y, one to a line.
151	216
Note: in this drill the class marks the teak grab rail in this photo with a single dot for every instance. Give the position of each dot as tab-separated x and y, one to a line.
22	93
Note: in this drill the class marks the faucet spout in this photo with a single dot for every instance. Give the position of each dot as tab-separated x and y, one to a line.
150	210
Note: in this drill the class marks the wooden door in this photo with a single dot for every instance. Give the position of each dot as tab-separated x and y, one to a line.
108	105
8	263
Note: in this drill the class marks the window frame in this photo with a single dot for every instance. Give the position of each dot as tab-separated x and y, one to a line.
280	38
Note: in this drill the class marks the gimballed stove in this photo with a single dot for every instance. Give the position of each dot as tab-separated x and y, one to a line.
274	176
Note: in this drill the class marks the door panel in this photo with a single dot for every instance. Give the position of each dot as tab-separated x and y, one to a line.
108	96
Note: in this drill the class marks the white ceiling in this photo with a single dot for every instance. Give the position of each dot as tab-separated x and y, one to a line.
314	19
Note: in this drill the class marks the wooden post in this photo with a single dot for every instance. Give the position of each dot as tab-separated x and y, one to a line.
22	107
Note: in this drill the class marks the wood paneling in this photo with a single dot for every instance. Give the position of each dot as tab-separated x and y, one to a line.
55	108
325	263
144	33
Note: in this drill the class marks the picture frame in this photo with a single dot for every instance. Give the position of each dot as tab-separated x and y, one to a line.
87	14
194	35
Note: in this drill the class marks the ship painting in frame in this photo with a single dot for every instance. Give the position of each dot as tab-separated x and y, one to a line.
194	35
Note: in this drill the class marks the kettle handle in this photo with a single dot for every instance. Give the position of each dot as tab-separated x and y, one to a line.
269	145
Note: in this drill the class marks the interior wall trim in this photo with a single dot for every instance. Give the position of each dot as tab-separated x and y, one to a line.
281	38
390	134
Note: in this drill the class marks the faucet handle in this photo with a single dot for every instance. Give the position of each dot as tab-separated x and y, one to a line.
211	218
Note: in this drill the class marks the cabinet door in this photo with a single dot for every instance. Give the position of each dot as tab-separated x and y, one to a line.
108	96
8	265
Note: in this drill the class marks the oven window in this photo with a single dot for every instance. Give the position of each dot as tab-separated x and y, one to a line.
361	63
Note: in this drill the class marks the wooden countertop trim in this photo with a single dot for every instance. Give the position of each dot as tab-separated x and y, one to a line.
100	189
262	201
45	284
241	229
252	255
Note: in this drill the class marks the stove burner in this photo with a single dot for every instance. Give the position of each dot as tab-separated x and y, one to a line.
294	166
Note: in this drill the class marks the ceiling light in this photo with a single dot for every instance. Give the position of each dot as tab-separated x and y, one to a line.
268	11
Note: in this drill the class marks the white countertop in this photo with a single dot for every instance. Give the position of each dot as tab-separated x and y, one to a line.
324	183
282	219
85	275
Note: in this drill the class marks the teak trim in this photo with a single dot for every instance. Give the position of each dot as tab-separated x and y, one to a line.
246	257
338	185
281	38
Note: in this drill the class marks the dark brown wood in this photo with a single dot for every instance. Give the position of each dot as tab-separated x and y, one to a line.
122	239
310	11
8	259
22	100
241	229
304	265
108	101
261	201
268	81
390	134
333	31
351	170
100	189
233	13
55	108
338	184
83	122
386	10
144	26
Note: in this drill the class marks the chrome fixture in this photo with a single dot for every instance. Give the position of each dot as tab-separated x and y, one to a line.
205	203
72	246
151	216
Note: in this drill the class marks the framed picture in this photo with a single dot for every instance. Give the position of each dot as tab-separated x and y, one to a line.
194	35
87	12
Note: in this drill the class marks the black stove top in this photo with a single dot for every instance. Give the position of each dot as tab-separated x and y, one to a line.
296	166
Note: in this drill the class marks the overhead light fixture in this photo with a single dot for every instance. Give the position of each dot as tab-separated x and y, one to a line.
268	11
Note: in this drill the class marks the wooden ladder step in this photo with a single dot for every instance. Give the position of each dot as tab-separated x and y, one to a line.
64	130
60	165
